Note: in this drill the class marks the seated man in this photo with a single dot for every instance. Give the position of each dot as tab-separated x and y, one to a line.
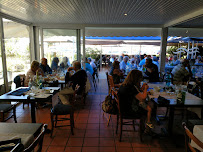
123	63
34	70
79	78
44	66
151	70
175	60
180	74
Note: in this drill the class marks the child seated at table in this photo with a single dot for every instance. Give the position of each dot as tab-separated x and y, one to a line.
132	96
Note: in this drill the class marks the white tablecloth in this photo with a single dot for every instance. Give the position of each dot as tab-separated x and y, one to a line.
198	133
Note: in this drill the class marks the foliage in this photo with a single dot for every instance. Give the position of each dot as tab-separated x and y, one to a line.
93	53
171	49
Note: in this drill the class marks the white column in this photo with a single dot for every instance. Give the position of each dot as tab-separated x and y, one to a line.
36	43
42	43
32	50
3	54
83	35
164	35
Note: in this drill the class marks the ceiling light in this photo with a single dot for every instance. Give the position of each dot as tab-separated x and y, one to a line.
125	14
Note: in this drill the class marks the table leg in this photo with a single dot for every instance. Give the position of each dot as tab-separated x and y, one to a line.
171	118
33	117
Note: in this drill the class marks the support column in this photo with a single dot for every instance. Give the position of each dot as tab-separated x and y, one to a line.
32	50
3	54
36	43
164	35
42	43
83	35
78	45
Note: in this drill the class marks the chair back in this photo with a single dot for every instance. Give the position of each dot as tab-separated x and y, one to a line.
37	141
111	83
19	80
115	95
107	78
188	137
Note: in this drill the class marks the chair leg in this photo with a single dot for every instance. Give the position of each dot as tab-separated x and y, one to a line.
52	123
23	105
134	125
121	128
141	128
56	118
117	124
109	120
14	113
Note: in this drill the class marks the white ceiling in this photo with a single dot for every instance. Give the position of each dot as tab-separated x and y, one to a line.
101	12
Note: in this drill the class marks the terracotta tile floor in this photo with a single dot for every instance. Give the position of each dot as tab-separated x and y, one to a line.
91	133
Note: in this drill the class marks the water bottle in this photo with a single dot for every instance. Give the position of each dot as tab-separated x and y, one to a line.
168	81
30	82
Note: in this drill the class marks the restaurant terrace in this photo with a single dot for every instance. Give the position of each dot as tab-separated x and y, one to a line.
101	75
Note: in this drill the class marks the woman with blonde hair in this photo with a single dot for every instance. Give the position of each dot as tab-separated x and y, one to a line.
35	69
133	96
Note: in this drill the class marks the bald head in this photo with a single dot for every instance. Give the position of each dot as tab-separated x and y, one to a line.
44	61
76	65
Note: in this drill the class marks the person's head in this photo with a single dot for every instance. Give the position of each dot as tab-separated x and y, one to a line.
116	64
185	63
44	61
155	58
34	66
175	57
89	59
65	60
199	58
125	59
76	65
56	60
148	62
134	77
141	57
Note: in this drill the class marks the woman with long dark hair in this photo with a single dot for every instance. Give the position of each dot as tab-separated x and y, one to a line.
133	96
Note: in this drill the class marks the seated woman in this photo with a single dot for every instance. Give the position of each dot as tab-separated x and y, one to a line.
133	97
64	63
116	72
35	69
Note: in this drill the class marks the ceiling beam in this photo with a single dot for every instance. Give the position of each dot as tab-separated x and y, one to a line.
76	26
185	18
3	15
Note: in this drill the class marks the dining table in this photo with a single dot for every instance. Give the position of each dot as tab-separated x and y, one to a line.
22	94
24	132
191	101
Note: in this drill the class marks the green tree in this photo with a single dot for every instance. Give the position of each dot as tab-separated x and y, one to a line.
93	53
171	49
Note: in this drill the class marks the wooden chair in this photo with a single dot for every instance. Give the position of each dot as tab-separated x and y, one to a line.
5	108
111	86
19	80
188	137
62	110
95	76
132	119
38	141
107	78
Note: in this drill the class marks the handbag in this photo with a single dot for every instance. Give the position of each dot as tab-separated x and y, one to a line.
109	105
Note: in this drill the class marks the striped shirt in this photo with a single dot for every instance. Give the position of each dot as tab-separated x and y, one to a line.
179	73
